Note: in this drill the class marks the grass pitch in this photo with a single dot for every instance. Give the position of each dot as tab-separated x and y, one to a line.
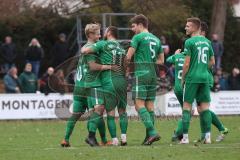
39	140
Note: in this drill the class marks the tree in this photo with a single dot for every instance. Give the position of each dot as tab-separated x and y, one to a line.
219	16
8	8
218	20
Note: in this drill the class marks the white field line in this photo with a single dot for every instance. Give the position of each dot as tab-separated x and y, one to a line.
201	146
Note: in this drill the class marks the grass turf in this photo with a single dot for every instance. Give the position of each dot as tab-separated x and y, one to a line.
39	140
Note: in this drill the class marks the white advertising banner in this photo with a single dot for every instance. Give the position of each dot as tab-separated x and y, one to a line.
222	103
226	102
170	105
32	106
52	106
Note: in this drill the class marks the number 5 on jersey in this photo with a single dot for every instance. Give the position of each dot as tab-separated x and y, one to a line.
151	46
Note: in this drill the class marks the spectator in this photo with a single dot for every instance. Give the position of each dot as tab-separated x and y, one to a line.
165	46
216	85
8	54
57	82
60	50
218	50
166	51
163	81
44	82
234	80
222	80
11	81
34	55
28	80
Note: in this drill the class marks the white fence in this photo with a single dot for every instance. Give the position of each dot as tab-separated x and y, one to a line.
39	106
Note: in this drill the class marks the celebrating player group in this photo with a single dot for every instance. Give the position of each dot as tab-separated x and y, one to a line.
101	85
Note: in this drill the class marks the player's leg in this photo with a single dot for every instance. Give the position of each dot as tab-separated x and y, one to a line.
79	107
217	123
139	95
111	101
146	119
189	93
123	120
150	109
202	135
121	106
112	127
101	124
203	96
139	91
110	104
95	119
149	102
178	133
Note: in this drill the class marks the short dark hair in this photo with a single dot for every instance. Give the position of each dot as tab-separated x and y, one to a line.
140	19
204	27
113	30
195	21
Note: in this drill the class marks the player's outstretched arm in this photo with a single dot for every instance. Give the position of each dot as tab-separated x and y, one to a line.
128	57
93	66
87	50
185	67
171	59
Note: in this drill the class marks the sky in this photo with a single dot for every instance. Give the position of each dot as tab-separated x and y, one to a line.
72	4
237	10
46	2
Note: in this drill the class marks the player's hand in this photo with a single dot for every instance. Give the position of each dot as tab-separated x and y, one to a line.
83	49
178	51
115	68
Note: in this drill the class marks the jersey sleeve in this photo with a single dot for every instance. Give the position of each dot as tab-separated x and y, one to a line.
187	48
171	59
97	47
91	58
135	41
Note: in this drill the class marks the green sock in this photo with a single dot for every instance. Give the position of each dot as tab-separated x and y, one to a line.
123	118
112	126
216	122
152	115
93	122
201	126
207	121
102	130
186	121
146	119
179	129
88	125
70	126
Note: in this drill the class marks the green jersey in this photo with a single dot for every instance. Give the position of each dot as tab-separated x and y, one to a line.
28	82
110	53
178	61
85	77
147	48
200	51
